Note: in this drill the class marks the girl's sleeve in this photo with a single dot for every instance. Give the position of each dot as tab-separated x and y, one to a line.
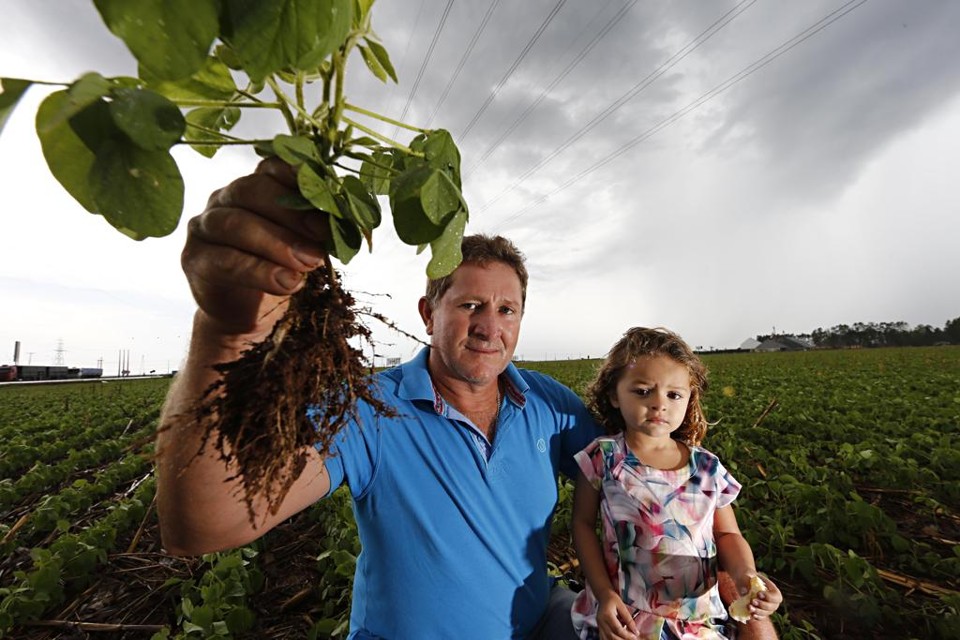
591	463
727	486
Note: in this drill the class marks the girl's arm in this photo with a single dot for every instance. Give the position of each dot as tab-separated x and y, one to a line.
613	617
736	557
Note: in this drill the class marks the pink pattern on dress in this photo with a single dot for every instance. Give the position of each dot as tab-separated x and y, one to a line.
657	541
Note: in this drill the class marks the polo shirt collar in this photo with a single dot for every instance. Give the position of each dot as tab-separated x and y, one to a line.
415	382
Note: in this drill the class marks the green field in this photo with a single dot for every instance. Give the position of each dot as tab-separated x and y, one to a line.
850	462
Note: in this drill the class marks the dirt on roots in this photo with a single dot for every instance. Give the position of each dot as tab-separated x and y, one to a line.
256	416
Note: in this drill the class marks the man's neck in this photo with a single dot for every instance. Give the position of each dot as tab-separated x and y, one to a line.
479	402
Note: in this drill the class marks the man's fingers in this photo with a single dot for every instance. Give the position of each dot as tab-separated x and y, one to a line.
279	171
259	236
266	196
233	247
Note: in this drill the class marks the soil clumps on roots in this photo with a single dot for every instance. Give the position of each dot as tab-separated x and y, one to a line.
256	414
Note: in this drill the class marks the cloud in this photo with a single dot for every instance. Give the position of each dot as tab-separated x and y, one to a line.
810	193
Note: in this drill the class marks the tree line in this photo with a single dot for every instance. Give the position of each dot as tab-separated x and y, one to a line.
881	334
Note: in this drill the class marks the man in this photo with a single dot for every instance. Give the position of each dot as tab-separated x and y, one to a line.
453	496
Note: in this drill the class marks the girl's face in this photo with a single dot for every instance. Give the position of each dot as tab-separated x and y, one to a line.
652	394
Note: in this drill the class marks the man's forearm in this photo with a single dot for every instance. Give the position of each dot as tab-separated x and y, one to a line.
199	509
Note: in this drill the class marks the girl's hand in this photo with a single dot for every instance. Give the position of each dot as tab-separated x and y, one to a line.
614	620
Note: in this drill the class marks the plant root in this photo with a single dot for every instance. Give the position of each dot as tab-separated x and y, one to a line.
257	414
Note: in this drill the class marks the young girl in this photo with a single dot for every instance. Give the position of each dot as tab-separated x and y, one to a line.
663	500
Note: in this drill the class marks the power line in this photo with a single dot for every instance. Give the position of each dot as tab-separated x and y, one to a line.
513	67
672	61
406	48
463	61
758	64
423	65
563	74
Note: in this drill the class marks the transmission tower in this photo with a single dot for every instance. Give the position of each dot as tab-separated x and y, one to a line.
58	359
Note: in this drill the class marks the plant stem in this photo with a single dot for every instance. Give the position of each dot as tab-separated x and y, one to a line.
251	96
382	138
301	107
217	143
284	104
288	102
339	66
222	104
382	118
210	131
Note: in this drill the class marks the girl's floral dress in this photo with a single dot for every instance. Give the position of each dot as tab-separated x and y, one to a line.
658	540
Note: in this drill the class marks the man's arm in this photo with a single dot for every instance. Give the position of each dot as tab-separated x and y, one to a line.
244	256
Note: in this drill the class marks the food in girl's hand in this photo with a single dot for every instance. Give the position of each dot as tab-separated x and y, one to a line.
739	609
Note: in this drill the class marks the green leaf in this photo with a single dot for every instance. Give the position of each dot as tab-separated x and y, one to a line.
209	120
228	56
295	150
345	240
382	57
212	81
439	196
361	10
68	156
169	38
364	141
363	205
11	90
85	91
240	619
445	250
139	192
202	616
442	153
151	121
372	63
317	190
411	221
377	172
285	34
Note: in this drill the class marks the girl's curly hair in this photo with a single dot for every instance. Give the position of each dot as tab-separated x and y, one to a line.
638	342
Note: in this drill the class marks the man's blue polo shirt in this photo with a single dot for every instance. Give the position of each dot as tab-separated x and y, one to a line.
454	543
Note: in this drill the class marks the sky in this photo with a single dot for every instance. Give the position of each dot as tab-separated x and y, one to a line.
724	169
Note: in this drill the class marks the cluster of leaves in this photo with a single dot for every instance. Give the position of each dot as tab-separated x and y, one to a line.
337	565
215	605
108	140
53	511
37	433
853	474
69	564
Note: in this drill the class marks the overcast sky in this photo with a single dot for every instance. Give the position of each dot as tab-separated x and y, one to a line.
723	169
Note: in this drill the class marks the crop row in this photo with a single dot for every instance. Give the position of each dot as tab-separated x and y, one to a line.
72	417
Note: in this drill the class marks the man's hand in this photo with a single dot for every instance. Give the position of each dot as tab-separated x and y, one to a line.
247	252
244	256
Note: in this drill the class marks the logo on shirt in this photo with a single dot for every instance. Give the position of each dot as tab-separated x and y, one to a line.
541	445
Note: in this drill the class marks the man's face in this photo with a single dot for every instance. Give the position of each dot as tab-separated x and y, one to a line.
475	325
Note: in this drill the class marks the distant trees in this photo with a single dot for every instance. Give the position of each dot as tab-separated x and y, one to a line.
885	334
951	331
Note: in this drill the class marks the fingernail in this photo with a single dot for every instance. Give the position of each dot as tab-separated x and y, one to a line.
308	256
289	279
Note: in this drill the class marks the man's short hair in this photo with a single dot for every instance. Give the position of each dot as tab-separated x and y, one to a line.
479	249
